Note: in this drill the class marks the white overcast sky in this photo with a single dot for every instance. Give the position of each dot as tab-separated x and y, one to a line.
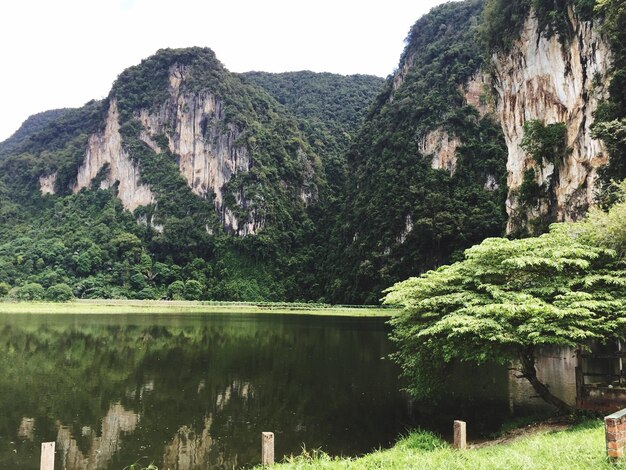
63	53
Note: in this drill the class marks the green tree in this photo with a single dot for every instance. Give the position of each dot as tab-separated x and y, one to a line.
505	299
176	290
59	293
606	228
193	290
545	142
31	291
4	289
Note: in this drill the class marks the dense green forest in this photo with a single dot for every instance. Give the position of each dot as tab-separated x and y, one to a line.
88	245
400	216
352	194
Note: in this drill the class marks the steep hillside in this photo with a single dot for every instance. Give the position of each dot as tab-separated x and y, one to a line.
33	125
189	181
330	107
551	64
201	158
428	167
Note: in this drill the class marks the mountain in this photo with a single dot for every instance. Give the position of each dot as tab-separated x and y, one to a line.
503	117
190	173
32	125
189	181
331	109
428	175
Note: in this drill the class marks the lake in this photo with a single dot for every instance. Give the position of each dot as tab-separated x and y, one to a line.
196	391
193	391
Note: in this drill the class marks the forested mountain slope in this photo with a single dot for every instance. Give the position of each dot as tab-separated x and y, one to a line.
189	181
331	109
184	173
428	175
32	125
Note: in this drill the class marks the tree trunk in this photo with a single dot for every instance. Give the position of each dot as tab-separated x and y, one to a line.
529	372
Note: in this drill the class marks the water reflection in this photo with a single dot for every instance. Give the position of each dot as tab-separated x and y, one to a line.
101	449
189	450
192	392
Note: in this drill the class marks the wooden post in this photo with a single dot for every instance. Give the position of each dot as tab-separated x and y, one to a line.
47	456
460	435
267	449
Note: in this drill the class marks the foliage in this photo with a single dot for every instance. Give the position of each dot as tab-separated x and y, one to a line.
193	290
610	118
578	447
530	191
553	17
59	293
4	289
606	228
508	297
31	291
34	124
545	143
503	20
330	108
400	216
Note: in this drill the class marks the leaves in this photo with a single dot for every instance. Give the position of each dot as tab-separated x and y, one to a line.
507	296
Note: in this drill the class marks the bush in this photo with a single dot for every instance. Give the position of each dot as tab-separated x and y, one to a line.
4	289
147	293
31	291
193	290
59	293
176	290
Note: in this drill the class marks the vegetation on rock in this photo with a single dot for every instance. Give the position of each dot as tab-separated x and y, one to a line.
507	297
400	216
360	183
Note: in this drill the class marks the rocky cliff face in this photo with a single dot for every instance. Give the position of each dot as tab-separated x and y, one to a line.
439	145
105	149
205	144
543	79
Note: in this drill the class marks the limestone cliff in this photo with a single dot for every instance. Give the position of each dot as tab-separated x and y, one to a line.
105	149
206	146
554	81
439	145
47	183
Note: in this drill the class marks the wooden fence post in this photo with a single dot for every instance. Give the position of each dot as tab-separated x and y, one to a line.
267	449
460	435
47	456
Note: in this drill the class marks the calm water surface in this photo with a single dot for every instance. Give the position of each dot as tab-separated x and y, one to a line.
193	391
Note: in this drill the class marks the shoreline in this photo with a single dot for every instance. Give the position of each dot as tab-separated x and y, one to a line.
119	306
577	445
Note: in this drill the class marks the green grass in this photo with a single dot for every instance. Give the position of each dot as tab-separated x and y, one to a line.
181	306
579	447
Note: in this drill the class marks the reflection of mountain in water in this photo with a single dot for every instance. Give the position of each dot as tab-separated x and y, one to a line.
102	449
194	392
27	429
189	450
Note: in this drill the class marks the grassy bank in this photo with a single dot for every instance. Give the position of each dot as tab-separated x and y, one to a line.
577	447
181	306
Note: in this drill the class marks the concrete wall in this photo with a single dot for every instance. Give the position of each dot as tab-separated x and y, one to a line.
556	367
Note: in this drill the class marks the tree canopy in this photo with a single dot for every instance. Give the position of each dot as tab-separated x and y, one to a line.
506	298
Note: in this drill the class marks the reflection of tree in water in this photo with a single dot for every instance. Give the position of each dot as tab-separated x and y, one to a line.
186	397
